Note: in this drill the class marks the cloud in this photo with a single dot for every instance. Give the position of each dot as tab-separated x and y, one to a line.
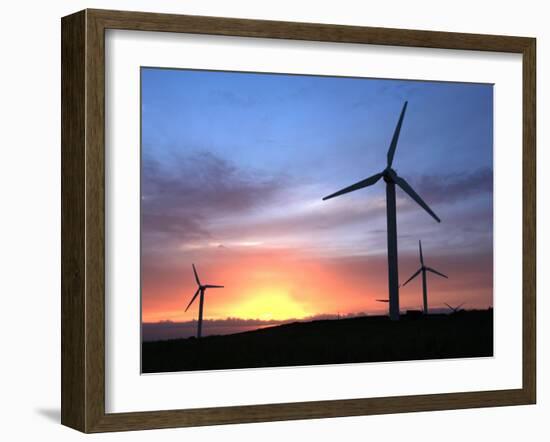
358	221
200	201
307	220
455	187
182	194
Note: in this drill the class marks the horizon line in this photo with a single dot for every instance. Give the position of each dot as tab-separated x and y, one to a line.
321	316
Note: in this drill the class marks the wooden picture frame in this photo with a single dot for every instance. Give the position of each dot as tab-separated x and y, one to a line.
83	220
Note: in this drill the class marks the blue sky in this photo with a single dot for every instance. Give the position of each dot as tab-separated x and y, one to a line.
288	118
240	161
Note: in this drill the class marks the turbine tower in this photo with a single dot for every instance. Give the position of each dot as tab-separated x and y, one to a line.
391	178
423	269
201	290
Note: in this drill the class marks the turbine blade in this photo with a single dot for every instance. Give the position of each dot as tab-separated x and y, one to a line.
460	305
421	257
196	276
393	144
429	269
449	306
359	185
214	286
192	299
412	277
410	191
383	300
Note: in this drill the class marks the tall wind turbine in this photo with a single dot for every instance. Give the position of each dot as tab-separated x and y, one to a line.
200	291
391	178
423	269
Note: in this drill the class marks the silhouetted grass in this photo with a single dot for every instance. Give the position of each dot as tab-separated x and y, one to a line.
362	339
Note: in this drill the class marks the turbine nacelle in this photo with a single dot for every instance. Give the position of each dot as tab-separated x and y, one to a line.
389	175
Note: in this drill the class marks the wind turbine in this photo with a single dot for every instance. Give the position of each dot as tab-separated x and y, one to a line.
455	309
391	178
423	269
202	288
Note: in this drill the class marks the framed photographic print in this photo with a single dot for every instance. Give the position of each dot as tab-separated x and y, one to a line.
270	220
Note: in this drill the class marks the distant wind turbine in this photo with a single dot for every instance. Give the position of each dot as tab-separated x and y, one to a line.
455	309
200	291
423	269
391	178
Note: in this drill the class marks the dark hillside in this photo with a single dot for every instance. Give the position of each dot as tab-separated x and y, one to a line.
363	339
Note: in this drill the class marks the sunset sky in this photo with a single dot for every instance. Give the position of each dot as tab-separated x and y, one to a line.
234	166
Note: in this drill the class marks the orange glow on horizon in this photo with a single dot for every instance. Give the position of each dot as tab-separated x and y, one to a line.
282	284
